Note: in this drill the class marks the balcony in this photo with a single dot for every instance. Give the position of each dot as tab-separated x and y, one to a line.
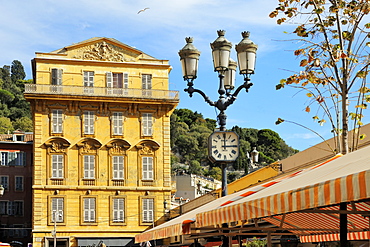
35	89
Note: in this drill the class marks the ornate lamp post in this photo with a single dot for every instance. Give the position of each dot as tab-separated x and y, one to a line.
223	145
224	66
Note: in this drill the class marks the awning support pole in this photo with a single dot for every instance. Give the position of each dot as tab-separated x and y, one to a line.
343	221
269	244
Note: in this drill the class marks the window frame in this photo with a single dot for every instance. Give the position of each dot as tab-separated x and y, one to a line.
145	213
147	123
61	208
88	77
59	171
57	121
16	184
88	124
89	172
56	76
88	221
121	209
147	168
118	173
4	181
117	120
4	158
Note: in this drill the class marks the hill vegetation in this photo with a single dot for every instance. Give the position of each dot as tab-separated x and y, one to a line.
14	109
189	139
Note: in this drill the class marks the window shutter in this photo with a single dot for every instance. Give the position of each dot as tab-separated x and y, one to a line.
145	167
89	122
148	206
109	79
150	167
56	76
117	123
89	166
54	162
147	123
86	210
125	80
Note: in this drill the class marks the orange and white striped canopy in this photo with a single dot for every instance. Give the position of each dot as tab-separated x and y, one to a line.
344	179
340	179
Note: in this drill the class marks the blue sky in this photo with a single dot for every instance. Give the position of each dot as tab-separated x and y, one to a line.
29	26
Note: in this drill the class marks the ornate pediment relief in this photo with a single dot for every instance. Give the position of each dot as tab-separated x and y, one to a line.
57	145
89	146
147	147
118	147
103	51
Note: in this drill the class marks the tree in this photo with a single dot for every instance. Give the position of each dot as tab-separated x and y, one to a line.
23	123
17	72
334	47
215	172
5	125
195	168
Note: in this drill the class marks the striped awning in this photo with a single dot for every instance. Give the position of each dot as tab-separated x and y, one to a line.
287	200
182	224
346	179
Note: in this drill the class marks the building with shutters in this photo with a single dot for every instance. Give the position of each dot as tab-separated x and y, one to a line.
101	112
16	178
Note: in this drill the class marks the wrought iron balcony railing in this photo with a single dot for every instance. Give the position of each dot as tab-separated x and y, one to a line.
101	91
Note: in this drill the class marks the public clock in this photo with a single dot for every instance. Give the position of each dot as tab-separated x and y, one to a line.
223	146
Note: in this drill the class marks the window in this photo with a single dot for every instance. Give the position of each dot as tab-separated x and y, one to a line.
118	166
11	208
117	123
147	124
89	210
89	166
118	210
4	180
146	84
18	208
89	81
13	158
57	165
57	209
57	121
147	168
89	122
116	81
56	76
148	209
18	183
4	158
3	207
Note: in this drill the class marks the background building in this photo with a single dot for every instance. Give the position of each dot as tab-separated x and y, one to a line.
101	112
191	186
16	178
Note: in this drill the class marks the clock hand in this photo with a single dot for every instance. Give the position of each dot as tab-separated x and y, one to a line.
224	140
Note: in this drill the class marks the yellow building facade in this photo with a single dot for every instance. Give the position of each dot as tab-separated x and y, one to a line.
101	112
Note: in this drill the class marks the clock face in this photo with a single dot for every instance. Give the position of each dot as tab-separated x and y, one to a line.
223	146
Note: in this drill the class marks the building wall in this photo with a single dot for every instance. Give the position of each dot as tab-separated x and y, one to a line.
324	150
100	55
187	185
14	226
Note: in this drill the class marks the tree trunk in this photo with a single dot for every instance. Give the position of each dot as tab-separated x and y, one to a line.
344	142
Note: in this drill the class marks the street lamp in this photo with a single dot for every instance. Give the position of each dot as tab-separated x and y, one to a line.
223	145
224	66
1	190
252	159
